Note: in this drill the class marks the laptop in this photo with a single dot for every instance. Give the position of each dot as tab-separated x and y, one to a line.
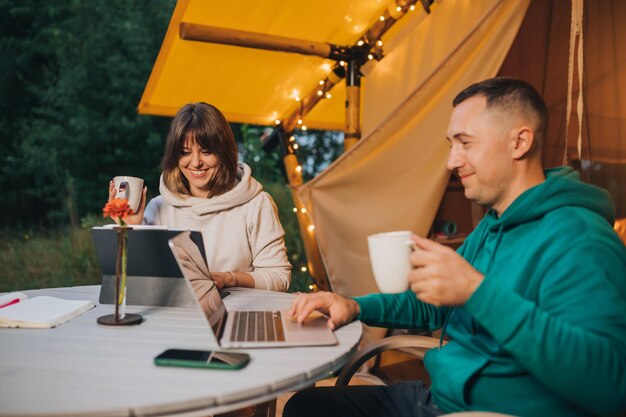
153	276
242	329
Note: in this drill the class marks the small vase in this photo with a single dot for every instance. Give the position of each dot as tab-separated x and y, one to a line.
120	273
120	317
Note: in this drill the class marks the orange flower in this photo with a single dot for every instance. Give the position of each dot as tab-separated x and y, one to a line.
118	207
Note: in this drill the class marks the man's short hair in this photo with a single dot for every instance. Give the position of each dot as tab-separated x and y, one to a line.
511	95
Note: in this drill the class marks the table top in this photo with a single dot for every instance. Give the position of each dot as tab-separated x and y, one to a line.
82	368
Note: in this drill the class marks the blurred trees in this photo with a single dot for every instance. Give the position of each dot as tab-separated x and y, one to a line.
71	76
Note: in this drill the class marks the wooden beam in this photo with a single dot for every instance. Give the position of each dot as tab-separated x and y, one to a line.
211	34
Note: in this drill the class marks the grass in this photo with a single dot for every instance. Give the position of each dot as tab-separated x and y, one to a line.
65	258
58	258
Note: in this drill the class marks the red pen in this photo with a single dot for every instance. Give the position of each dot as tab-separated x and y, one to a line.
14	301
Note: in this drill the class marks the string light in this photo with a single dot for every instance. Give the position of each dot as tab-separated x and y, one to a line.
412	7
303	269
276	122
303	210
299	121
321	82
328	95
379	42
320	92
311	228
398	9
292	139
295	209
311	287
360	43
382	18
297	98
303	127
342	63
299	168
370	56
295	146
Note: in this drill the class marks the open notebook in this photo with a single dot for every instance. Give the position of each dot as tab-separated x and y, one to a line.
41	312
237	329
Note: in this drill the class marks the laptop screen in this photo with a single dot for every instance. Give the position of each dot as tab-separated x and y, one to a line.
197	275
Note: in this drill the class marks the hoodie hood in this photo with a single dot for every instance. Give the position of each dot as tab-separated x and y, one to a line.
246	189
561	188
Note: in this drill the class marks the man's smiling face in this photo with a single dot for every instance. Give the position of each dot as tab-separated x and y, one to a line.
480	152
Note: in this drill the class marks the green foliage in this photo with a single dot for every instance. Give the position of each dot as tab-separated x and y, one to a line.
75	72
59	258
317	149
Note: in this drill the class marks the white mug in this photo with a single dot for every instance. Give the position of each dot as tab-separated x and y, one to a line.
389	256
130	188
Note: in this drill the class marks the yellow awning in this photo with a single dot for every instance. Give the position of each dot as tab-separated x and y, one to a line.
252	85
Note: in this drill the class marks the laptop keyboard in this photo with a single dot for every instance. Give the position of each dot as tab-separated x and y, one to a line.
257	326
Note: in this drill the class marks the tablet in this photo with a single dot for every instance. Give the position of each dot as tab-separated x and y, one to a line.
152	274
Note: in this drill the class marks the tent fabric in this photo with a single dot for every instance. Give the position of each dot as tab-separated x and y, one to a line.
251	85
539	55
394	178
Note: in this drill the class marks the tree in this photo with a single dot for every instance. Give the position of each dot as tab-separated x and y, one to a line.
76	71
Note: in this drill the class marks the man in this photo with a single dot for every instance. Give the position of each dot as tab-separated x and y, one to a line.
533	303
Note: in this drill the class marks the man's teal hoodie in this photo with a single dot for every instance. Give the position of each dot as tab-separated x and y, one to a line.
545	332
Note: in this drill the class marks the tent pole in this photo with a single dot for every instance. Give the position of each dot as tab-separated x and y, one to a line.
353	103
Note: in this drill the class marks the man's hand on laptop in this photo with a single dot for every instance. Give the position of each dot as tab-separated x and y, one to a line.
339	309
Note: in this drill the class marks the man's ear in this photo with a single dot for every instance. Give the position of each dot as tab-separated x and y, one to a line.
524	140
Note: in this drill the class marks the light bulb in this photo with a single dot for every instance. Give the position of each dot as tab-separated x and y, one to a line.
303	210
303	269
292	139
321	82
299	121
304	127
297	98
379	42
382	18
328	95
276	122
311	228
360	43
295	209
370	56
320	92
412	7
398	9
299	168
342	63
311	287
295	146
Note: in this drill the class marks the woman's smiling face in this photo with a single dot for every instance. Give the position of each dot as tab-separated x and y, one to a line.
198	166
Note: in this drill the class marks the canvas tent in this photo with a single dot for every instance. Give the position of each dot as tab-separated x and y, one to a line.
395	177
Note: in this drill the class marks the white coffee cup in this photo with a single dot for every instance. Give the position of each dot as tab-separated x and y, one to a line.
389	256
130	188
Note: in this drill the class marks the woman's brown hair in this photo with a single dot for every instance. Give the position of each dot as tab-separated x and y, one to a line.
205	125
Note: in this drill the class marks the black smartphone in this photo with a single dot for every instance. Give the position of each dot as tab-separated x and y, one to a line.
202	359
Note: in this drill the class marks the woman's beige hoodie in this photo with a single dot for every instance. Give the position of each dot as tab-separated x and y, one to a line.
240	229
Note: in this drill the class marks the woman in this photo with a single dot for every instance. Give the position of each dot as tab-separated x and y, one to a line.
203	187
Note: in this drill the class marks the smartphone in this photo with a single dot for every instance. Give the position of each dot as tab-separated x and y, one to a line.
202	359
